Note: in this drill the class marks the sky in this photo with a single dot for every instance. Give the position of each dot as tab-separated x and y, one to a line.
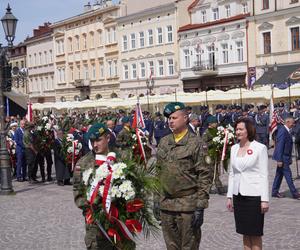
32	13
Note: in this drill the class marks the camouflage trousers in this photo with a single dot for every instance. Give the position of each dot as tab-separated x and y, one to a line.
94	239
177	231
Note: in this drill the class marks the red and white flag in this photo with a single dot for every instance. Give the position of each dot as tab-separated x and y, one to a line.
29	112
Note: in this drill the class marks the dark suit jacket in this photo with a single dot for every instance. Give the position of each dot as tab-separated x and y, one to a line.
112	141
191	129
19	140
284	146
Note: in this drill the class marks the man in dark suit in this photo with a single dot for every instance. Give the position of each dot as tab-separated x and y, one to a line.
283	155
20	152
112	139
194	123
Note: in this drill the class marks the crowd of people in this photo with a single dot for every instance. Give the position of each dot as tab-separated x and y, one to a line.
181	140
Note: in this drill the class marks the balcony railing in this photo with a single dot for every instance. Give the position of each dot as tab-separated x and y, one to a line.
204	66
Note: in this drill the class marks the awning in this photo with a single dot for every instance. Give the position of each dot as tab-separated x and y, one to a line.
17	97
281	78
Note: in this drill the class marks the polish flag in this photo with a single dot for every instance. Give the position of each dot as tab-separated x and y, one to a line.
29	112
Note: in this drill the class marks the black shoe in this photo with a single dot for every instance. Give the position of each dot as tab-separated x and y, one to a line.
43	180
60	183
33	181
278	195
25	179
20	180
67	182
49	179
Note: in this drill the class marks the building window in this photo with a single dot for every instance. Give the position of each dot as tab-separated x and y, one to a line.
70	44
142	39
295	38
151	68
115	68
142	70
101	69
133	71
187	61
150	37
77	43
40	59
92	40
160	67
100	39
50	56
215	12
126	72
108	36
203	16
78	72
170	67
245	8
132	41
294	1
45	56
225	52
93	71
114	36
86	72
159	36
110	69
240	49
125	43
84	41
228	12
169	34
265	4
267	42
71	74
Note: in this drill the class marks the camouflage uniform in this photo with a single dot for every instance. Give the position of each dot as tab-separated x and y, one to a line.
29	142
93	237
186	181
207	137
124	138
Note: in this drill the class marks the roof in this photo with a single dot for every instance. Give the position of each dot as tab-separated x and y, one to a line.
208	24
280	78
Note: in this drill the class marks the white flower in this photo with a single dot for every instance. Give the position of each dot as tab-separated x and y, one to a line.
45	118
48	126
77	152
70	137
70	150
79	146
127	190
220	128
39	128
55	127
118	172
86	175
102	172
101	189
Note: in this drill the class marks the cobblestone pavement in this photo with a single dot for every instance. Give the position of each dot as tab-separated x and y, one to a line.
44	216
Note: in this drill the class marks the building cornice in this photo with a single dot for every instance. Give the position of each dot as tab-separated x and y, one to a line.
85	15
214	23
38	38
147	12
264	16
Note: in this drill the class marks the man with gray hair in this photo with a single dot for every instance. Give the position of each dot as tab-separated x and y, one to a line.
194	124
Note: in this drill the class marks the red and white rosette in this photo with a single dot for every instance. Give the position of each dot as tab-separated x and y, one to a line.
249	151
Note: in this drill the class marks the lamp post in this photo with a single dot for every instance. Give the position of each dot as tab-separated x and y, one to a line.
9	23
150	87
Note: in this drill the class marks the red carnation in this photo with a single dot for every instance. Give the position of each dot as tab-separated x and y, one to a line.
134	206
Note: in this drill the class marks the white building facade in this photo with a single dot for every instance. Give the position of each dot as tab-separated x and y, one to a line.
213	47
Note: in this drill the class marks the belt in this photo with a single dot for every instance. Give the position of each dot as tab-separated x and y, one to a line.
181	193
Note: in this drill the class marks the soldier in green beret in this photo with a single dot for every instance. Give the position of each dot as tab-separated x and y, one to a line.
214	158
185	179
98	134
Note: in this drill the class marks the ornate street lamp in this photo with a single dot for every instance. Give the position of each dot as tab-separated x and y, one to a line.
9	23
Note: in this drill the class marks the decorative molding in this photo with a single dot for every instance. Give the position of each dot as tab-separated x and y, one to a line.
265	26
223	37
293	20
185	44
196	41
210	39
169	53
238	34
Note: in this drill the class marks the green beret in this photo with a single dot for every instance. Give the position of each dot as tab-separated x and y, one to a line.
96	131
173	107
211	119
126	119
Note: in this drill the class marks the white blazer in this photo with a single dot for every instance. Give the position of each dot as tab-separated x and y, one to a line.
248	175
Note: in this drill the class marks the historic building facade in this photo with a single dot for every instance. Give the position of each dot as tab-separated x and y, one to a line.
86	54
213	46
274	40
148	49
40	65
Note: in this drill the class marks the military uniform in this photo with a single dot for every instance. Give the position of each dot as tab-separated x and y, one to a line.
262	126
124	138
186	181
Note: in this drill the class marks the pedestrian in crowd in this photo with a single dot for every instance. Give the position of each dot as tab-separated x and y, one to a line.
248	193
262	125
159	127
61	169
124	137
11	146
186	181
283	156
207	137
31	152
99	137
20	152
194	124
112	141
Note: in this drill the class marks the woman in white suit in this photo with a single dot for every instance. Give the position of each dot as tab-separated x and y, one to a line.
248	192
